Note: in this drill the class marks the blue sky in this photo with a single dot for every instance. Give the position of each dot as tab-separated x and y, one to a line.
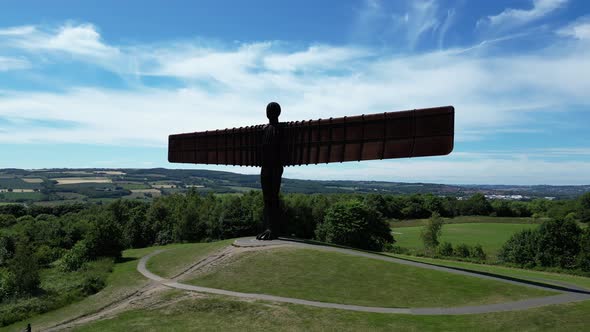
103	83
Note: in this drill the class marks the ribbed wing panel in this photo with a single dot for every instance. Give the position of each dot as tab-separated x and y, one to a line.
414	133
237	146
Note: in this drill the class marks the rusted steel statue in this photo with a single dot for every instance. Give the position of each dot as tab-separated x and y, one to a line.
412	133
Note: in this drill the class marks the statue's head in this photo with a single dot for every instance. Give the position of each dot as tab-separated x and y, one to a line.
273	110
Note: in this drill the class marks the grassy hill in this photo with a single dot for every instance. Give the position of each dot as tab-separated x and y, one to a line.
336	277
340	278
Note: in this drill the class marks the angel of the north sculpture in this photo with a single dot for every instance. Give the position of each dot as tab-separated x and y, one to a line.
412	133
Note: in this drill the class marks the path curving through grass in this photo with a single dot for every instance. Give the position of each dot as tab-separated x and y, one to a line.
566	295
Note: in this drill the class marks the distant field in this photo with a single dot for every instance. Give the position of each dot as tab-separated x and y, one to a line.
63	181
11	182
490	235
17	190
133	186
468	219
21	196
110	172
33	180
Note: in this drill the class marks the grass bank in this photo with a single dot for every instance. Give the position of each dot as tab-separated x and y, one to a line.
340	278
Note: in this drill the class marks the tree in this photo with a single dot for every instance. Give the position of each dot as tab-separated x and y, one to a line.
583	260
354	224
583	210
521	248
23	267
431	232
558	243
476	205
104	238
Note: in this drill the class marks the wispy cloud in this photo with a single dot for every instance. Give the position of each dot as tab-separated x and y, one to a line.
511	17
579	30
8	63
405	28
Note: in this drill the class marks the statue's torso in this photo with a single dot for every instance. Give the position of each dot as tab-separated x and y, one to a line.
271	146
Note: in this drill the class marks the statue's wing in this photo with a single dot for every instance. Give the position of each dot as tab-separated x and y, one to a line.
413	133
237	146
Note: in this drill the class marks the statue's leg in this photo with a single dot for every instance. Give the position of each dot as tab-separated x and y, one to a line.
271	186
267	190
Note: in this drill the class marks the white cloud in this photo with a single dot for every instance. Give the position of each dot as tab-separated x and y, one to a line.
7	63
18	31
80	40
513	17
579	30
224	86
314	58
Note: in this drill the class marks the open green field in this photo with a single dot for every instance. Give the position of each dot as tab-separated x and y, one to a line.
340	278
490	235
468	220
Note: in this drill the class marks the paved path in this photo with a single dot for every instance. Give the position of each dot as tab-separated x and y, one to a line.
567	295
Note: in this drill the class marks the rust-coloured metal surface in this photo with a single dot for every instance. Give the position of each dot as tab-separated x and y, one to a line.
413	133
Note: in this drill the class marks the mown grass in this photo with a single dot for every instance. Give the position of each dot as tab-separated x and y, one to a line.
340	278
225	314
173	261
490	235
468	220
538	276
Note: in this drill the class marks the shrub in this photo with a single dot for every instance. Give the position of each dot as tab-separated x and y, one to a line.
431	231
478	253
74	258
558	243
583	259
7	285
92	283
390	247
47	255
462	250
354	224
520	249
445	249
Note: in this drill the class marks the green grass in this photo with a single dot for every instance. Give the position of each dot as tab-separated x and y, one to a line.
58	289
539	276
17	196
490	235
467	220
340	278
133	186
225	314
123	281
175	260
